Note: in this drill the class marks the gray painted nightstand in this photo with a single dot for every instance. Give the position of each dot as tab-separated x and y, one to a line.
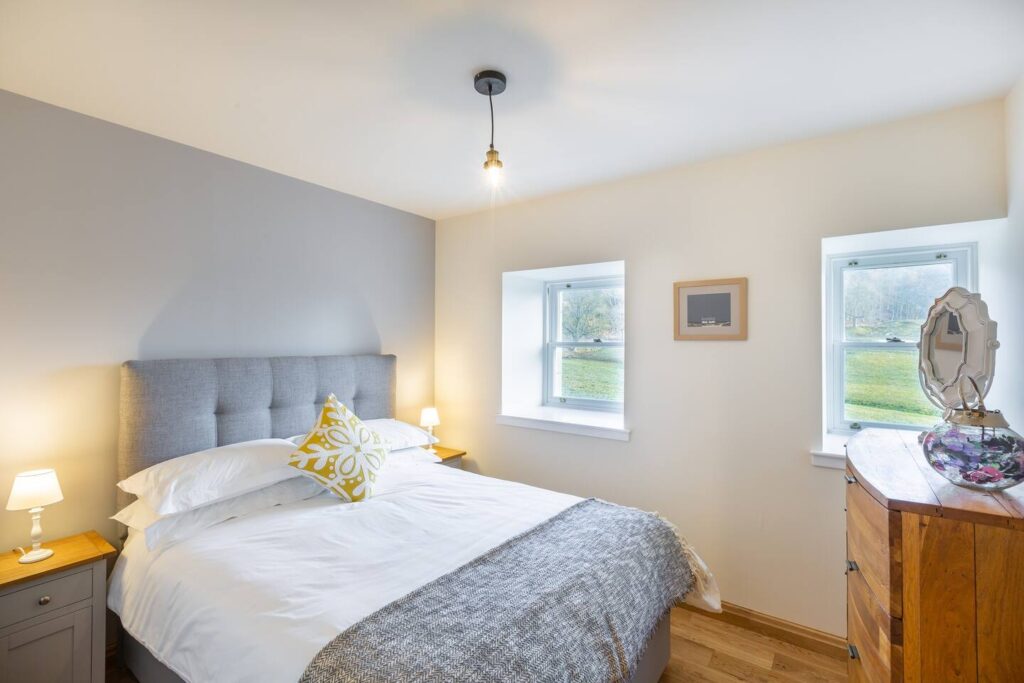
53	613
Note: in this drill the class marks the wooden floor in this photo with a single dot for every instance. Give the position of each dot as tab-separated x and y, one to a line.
705	649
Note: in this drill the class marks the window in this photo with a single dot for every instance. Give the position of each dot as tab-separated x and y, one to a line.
584	343
875	306
562	349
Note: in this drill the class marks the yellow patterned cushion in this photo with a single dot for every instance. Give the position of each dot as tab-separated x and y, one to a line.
341	453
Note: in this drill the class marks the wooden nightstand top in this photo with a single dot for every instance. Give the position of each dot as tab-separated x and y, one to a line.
67	552
446	453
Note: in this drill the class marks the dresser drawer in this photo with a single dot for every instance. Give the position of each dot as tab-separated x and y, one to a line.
876	636
874	547
45	597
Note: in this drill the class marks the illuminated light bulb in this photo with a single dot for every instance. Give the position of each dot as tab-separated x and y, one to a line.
493	166
494	176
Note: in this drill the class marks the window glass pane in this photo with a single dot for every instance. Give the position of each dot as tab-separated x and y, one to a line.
588	372
892	303
590	313
882	386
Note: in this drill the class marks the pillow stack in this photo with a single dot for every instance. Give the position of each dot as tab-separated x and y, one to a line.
210	476
163	531
181	496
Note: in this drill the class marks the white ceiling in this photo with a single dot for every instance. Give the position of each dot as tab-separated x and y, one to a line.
376	99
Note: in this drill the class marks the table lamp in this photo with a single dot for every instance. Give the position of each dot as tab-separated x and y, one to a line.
31	491
430	419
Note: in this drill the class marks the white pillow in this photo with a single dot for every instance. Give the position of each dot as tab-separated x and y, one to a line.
399	435
164	531
206	477
412	455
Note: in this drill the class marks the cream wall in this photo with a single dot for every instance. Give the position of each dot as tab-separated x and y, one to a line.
1010	363
117	245
721	431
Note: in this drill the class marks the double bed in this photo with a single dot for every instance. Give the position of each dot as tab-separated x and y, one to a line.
441	575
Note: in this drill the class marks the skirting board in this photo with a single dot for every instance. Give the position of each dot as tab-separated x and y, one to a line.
780	629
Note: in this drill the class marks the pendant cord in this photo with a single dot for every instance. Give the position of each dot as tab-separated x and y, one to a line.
490	101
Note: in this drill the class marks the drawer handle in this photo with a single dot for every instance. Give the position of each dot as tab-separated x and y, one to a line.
850	479
45	600
851	566
852	649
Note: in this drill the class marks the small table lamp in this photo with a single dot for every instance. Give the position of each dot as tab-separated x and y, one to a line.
430	419
31	491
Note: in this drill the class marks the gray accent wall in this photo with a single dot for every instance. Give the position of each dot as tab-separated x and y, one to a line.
117	245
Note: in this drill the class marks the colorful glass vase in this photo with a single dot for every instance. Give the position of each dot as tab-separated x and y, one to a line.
976	448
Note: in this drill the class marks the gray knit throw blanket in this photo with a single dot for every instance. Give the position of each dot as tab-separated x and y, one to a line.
573	599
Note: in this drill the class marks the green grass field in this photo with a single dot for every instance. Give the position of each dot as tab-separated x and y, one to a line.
598	374
882	386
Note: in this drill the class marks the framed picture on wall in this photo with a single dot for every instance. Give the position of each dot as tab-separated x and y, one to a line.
711	310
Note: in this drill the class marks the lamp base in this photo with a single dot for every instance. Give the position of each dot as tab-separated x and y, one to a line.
35	555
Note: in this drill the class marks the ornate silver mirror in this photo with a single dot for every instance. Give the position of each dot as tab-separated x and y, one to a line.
957	350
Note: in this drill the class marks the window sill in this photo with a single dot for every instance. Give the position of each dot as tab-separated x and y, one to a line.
832	454
568	421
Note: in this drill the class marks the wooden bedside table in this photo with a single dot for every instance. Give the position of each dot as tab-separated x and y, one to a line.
452	457
53	613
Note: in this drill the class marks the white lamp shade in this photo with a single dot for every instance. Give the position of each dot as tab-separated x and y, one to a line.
34	489
429	418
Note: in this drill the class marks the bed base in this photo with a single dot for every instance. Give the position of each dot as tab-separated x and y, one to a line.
655	659
147	669
144	666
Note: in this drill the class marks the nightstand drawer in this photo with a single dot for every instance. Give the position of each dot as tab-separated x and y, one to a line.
45	597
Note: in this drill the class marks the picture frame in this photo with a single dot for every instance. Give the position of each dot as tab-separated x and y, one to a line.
710	310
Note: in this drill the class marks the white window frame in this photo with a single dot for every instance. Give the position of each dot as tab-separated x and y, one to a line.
551	345
965	260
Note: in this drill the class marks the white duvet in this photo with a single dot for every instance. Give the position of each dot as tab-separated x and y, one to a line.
255	598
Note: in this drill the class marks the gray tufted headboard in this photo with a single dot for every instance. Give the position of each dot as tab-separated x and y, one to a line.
173	407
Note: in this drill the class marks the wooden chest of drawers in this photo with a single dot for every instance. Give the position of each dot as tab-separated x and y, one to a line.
935	572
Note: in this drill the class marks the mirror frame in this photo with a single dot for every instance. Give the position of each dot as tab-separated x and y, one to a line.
979	359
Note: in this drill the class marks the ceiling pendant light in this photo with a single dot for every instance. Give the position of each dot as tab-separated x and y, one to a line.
491	83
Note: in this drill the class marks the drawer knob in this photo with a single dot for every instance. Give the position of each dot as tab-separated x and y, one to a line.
850	479
851	566
45	600
852	649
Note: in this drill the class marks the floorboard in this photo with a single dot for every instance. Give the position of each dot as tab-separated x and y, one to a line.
704	649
